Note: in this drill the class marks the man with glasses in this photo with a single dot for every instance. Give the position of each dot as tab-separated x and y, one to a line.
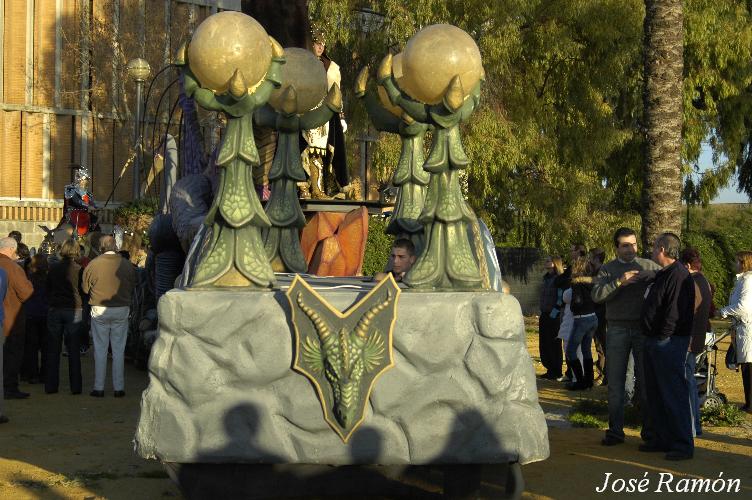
621	285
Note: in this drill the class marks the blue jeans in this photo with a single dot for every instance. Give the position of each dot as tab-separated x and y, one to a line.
667	389
583	330
691	366
63	324
621	341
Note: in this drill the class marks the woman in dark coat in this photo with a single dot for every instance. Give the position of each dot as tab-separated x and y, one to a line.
65	318
36	321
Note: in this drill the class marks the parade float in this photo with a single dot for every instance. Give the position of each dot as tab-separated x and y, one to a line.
266	382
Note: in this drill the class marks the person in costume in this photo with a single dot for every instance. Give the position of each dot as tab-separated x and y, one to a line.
78	203
323	155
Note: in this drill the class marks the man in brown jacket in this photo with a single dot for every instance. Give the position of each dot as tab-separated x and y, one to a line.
14	327
109	281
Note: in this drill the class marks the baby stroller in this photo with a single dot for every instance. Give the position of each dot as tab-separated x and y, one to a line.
706	371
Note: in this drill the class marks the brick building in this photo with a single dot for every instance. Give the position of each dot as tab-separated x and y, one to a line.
65	97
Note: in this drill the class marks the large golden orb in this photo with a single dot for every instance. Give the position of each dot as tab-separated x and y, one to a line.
433	56
397	73
227	41
306	74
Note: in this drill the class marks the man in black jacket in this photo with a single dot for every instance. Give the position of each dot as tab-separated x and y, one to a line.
667	315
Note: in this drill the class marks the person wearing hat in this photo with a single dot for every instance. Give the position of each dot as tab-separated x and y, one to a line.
324	147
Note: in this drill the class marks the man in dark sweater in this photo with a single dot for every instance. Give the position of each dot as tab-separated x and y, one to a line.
621	285
667	316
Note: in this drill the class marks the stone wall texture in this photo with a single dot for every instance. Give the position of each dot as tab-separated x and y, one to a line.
222	389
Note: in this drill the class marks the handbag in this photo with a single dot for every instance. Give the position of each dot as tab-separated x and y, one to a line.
731	357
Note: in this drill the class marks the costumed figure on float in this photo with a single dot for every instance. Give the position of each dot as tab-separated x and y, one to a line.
323	153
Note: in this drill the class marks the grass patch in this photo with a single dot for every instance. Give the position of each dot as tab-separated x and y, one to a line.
725	415
579	419
594	413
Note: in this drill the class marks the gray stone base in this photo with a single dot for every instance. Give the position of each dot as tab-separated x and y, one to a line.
222	391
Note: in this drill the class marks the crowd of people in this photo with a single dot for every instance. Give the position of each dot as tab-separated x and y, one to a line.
62	299
649	319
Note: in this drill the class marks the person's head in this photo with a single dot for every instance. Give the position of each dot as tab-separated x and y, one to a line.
16	235
548	265
576	251
666	249
580	267
319	41
625	241
744	262
558	263
107	244
402	256
318	48
23	251
690	257
70	250
596	256
8	247
38	264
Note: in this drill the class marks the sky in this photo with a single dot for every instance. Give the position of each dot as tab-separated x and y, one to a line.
728	194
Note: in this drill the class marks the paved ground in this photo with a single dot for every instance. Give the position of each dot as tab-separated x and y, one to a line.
62	446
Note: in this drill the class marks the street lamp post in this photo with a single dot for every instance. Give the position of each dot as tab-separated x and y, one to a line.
366	22
139	70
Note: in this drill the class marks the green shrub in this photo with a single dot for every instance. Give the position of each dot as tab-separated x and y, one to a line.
715	264
725	415
378	246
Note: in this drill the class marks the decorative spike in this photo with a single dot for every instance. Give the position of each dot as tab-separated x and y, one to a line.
321	328
361	329
334	97
237	85
482	74
385	67
290	100
454	95
361	81
277	50
180	54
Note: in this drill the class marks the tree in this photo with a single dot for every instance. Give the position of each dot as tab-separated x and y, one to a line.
662	100
556	146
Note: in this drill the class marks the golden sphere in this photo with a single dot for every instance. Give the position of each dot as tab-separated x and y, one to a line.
306	74
397	73
227	41
433	56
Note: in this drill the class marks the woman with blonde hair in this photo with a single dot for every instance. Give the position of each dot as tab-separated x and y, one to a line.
584	324
740	310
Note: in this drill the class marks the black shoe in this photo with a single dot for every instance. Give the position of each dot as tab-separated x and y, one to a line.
50	391
119	394
652	448
97	394
611	441
677	455
16	395
4	419
75	393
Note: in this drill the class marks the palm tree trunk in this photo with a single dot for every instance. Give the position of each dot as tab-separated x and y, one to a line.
663	47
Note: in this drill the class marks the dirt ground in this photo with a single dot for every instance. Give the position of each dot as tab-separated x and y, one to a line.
62	446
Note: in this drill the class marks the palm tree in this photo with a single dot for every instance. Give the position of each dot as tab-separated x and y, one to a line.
663	46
